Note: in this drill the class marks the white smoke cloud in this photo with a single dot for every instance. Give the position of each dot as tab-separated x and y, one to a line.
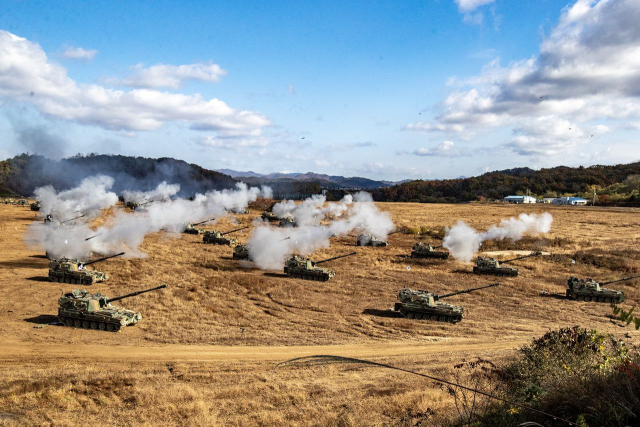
270	247
162	192
463	241
88	199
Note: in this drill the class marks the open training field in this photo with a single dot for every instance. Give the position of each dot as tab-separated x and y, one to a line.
204	351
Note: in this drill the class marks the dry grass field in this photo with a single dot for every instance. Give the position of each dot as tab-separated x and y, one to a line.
204	351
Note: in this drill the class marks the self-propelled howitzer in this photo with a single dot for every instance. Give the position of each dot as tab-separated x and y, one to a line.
217	237
423	304
591	290
94	311
422	250
66	270
301	268
493	266
191	228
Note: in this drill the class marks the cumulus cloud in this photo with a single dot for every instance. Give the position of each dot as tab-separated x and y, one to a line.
79	53
26	75
171	76
547	135
229	142
351	146
444	149
588	68
471	5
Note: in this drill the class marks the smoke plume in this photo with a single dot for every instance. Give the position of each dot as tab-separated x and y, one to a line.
463	241
162	192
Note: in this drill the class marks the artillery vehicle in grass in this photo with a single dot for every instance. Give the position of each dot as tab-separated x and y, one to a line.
591	290
241	252
137	206
425	250
494	267
35	206
191	228
217	237
370	240
66	270
269	216
22	202
287	222
423	304
94	311
303	268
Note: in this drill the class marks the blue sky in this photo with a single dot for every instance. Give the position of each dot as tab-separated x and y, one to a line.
387	90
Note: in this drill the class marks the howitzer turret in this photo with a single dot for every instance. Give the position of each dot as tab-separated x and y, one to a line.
191	229
422	250
217	237
591	290
493	266
301	268
66	270
94	311
370	240
423	304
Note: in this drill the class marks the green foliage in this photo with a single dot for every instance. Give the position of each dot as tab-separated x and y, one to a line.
580	375
626	316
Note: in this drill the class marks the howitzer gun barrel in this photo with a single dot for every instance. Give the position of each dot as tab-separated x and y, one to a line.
522	257
95	235
72	219
133	294
202	222
335	257
233	231
620	280
104	258
437	297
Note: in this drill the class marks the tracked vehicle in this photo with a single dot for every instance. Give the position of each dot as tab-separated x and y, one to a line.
269	216
303	268
370	240
35	206
217	237
22	202
241	252
94	311
423	304
591	290
287	222
191	228
422	250
494	267
66	270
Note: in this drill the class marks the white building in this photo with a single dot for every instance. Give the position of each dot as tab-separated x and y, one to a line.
575	201
548	200
520	199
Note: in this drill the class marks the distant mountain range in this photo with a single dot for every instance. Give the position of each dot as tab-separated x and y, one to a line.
326	181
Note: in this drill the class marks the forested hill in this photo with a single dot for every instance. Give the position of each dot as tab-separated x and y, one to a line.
553	182
22	174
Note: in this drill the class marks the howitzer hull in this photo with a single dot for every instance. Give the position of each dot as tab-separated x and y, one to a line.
502	271
440	313
319	274
105	320
431	254
88	277
591	295
211	240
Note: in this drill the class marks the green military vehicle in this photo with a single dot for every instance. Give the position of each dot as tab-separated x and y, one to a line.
269	216
36	206
241	252
94	311
425	250
591	290
191	228
65	270
301	268
370	240
494	267
423	304
287	222
22	202
217	237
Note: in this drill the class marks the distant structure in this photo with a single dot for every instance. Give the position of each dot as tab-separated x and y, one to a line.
547	200
519	199
575	201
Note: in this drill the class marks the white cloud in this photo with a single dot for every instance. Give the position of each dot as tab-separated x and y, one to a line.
170	76
291	89
547	136
79	53
471	5
445	148
231	143
26	75
588	68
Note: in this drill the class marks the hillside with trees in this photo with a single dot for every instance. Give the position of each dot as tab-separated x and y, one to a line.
613	184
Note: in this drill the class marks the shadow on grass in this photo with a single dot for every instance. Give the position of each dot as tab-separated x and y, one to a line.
39	279
44	319
278	275
381	313
23	264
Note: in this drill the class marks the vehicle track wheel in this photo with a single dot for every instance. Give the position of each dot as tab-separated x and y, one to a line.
86	324
587	299
442	319
116	328
434	317
411	316
609	300
68	322
102	326
94	325
77	323
451	320
109	327
418	316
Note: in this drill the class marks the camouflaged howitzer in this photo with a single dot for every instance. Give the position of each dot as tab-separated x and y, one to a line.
301	268
35	206
22	202
241	252
217	237
370	240
287	222
9	201
94	311
191	229
137	206
65	270
493	266
425	250
424	305
590	290
269	216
